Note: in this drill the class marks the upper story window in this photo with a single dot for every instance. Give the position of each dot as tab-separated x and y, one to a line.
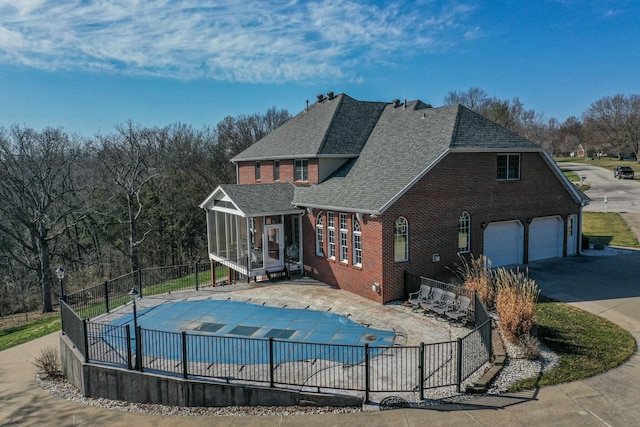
464	235
257	171
301	170
401	240
508	166
320	234
276	170
357	242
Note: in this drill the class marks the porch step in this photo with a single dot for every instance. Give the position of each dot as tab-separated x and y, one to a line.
278	275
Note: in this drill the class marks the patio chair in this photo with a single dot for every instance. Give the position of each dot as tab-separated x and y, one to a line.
446	303
461	311
422	295
434	298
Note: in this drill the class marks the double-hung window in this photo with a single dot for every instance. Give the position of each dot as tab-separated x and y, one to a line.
320	234
357	243
464	235
401	240
508	167
331	234
301	170
344	239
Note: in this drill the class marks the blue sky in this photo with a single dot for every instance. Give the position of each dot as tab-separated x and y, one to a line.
88	65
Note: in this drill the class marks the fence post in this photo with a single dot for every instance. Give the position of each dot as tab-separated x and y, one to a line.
185	370
139	281
85	349
459	365
271	373
106	295
138	332
196	275
366	373
421	371
128	332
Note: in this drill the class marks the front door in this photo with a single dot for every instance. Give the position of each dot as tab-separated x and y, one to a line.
275	247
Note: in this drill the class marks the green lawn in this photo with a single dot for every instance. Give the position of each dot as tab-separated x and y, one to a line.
608	228
587	344
30	331
604	162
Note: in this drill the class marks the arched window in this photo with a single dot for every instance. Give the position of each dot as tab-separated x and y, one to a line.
320	234
401	240
357	243
464	233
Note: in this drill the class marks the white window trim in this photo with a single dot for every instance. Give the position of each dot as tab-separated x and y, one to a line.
302	169
320	234
406	241
331	235
343	238
467	219
357	248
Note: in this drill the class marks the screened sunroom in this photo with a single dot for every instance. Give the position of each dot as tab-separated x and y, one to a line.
254	229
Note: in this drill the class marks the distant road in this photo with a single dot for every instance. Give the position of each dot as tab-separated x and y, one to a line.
622	195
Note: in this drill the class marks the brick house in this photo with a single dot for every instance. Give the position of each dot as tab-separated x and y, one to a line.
355	193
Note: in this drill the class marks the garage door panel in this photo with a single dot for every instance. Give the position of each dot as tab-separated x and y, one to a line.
503	243
545	238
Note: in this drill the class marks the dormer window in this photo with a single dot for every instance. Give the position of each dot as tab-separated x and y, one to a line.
301	170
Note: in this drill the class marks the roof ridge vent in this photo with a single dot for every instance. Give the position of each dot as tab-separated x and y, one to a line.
330	95
320	97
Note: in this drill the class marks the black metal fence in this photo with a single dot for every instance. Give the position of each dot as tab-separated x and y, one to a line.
313	366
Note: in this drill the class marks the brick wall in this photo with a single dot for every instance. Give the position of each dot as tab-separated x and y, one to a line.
247	172
460	182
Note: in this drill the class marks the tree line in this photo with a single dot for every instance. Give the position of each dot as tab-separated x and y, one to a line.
610	126
110	204
106	205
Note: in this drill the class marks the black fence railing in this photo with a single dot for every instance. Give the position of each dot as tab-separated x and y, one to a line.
104	297
313	366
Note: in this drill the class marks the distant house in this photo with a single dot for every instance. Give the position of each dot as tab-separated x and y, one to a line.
580	152
355	193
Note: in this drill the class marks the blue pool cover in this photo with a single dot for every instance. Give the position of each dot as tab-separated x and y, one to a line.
232	321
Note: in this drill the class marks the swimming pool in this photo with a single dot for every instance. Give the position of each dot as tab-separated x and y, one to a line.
234	324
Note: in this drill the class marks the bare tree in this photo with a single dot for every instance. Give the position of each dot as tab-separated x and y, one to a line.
616	121
42	196
129	161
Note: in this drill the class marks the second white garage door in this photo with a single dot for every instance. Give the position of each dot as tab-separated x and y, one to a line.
504	242
545	238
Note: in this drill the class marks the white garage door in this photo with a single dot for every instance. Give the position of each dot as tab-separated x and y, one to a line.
503	243
545	238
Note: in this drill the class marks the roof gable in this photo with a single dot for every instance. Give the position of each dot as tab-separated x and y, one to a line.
254	199
334	127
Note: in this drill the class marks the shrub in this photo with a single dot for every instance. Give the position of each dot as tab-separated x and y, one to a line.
530	347
48	362
475	274
515	303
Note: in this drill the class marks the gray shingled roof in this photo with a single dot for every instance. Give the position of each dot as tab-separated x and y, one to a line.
390	148
260	199
336	127
401	147
404	145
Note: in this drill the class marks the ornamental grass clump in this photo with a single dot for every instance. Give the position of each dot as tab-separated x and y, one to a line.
475	274
515	303
48	362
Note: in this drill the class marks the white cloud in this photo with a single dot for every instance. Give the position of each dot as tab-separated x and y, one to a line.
250	40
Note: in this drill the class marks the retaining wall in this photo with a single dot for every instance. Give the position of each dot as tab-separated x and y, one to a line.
144	387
